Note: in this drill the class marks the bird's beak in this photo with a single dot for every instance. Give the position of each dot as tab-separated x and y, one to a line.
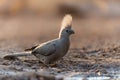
72	32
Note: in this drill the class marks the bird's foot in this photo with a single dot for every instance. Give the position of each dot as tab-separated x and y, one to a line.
43	64
50	65
53	65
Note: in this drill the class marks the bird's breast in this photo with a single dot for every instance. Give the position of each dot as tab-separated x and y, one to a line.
64	46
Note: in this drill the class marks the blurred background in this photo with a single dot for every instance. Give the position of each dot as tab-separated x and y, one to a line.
24	23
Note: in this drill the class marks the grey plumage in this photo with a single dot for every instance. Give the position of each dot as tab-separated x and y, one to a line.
51	51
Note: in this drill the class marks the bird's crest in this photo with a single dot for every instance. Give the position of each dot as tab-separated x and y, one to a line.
67	21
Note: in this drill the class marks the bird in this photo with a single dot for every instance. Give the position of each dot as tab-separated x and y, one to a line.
51	51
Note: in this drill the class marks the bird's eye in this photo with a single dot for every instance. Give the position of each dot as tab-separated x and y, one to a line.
67	30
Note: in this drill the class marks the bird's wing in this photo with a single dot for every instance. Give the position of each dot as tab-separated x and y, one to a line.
30	49
45	49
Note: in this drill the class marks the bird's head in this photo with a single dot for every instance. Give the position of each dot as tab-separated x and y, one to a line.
67	31
66	28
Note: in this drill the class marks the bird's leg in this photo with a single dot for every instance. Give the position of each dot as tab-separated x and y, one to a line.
55	64
46	65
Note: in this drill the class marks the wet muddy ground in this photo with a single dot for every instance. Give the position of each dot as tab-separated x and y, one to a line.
91	57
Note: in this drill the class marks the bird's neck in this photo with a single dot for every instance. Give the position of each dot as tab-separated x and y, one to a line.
65	43
62	36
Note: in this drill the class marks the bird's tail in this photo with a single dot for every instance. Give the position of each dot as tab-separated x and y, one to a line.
67	21
15	55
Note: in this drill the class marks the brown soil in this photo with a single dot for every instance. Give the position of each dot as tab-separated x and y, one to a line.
95	46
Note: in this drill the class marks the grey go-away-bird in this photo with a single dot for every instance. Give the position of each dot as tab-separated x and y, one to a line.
53	50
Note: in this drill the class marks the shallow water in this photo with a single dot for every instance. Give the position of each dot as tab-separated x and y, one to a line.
96	77
113	74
